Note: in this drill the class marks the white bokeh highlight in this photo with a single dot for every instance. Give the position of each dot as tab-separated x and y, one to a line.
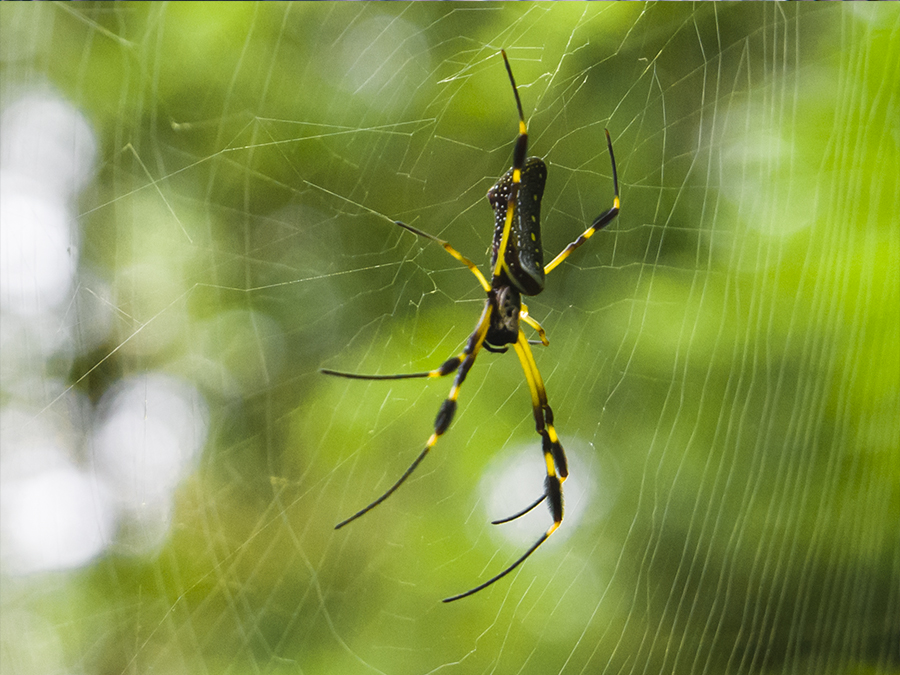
47	154
75	480
149	436
53	514
515	478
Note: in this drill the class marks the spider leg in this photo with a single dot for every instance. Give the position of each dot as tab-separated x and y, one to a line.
554	458
600	221
445	368
543	415
461	364
524	316
452	251
450	364
520	150
521	513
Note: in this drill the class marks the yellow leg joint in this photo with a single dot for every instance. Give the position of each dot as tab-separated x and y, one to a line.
551	467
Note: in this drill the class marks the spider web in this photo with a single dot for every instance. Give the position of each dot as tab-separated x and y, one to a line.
724	359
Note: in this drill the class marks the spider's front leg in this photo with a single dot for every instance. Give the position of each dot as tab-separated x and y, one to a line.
554	455
554	458
524	316
461	364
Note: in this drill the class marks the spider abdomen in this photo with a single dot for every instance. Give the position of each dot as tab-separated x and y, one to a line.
523	265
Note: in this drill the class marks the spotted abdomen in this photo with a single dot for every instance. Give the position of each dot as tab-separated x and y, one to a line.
524	256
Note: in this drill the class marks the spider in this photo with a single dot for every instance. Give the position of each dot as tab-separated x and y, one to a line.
517	269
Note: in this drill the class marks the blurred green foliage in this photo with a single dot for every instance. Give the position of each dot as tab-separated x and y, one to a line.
727	349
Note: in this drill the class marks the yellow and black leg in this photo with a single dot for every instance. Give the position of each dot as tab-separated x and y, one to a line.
600	221
554	458
461	364
452	251
526	317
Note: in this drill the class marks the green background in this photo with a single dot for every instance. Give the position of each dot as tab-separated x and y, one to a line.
724	358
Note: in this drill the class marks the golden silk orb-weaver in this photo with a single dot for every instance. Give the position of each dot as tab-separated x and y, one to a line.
517	269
